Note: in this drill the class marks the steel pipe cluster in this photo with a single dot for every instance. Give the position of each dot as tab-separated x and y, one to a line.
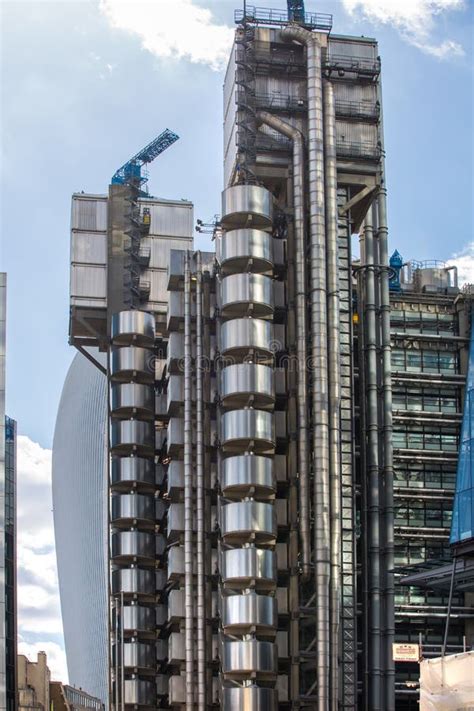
134	511
325	378
378	494
247	518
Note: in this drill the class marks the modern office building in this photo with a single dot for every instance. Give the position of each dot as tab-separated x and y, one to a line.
79	482
80	471
271	467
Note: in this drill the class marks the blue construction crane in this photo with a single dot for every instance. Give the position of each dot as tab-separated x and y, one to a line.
131	171
296	10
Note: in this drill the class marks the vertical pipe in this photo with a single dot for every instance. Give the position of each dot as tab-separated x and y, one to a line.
450	602
301	336
334	378
319	352
188	491
117	676
388	505
201	610
122	654
375	698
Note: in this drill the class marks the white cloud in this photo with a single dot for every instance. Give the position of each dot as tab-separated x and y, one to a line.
39	613
464	261
173	28
414	19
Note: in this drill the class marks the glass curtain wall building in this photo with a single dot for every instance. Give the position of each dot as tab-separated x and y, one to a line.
79	479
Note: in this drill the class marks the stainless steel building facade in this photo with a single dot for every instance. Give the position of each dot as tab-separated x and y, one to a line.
256	455
80	447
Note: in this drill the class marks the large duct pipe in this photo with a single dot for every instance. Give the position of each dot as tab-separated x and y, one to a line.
188	491
388	511
334	358
301	330
319	351
373	483
201	605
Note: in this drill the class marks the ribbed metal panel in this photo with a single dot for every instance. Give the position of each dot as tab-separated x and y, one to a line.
89	247
140	656
240	335
132	400
248	520
133	363
138	545
241	429
140	619
89	214
139	692
242	614
241	201
250	698
245	473
240	567
133	471
242	294
244	658
79	482
136	581
133	327
133	436
130	507
246	384
246	250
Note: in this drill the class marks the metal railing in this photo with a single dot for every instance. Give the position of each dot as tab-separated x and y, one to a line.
358	109
321	21
281	102
359	65
363	151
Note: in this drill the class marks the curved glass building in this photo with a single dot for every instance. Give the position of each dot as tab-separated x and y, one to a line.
80	523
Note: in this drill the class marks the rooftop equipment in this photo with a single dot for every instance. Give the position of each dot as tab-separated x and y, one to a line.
131	171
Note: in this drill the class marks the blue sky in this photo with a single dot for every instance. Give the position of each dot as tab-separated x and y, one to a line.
86	84
80	97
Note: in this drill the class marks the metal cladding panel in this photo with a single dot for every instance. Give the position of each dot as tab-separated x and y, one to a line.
161	247
230	156
171	219
354	91
246	249
139	692
239	335
89	282
248	471
229	81
79	483
281	87
89	247
248	518
239	566
136	326
243	657
158	286
89	213
242	381
137	617
249	610
353	48
354	132
251	698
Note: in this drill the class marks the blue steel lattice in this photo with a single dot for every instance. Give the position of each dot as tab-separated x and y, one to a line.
462	527
131	170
